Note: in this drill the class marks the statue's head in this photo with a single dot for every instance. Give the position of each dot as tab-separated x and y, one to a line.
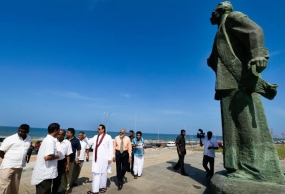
222	8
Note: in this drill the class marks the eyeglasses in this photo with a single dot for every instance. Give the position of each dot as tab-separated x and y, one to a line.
121	132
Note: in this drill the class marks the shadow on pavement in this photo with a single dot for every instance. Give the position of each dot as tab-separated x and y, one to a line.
82	180
114	180
194	173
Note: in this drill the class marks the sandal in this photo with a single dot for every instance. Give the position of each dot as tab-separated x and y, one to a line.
90	192
103	190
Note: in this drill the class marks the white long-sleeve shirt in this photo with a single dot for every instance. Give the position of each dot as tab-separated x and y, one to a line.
104	153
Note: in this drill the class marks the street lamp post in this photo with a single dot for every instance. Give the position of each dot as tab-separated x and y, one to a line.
103	117
108	114
158	133
189	131
135	122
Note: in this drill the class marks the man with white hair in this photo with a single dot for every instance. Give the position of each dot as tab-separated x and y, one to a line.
122	155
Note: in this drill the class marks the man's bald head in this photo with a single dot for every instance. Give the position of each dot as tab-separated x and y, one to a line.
62	131
122	132
61	134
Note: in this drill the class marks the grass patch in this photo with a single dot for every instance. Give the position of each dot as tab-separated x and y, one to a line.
202	149
281	151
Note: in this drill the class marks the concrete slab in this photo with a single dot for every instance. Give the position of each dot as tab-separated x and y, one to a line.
158	176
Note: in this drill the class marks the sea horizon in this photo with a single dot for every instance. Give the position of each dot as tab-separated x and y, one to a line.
40	133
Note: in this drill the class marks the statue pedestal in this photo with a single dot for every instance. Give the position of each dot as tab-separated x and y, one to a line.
221	184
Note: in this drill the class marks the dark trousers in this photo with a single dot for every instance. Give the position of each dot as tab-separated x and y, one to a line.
131	165
211	160
28	157
180	163
44	187
122	165
61	172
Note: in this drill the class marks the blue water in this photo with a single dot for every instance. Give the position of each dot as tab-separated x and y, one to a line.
37	133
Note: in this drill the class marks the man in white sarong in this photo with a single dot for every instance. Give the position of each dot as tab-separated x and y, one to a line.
102	157
138	144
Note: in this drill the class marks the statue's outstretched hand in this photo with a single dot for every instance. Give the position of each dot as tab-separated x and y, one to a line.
259	62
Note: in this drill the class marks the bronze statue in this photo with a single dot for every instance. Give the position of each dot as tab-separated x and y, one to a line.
238	57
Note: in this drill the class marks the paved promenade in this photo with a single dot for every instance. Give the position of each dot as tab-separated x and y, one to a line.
158	176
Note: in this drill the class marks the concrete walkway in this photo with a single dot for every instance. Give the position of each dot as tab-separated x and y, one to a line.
158	176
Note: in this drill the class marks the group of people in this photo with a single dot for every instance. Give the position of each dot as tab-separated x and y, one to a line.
126	152
210	145
58	163
61	157
59	160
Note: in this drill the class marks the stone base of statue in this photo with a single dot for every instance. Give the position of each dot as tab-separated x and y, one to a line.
221	184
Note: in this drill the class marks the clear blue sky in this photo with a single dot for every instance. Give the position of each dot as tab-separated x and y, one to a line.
71	61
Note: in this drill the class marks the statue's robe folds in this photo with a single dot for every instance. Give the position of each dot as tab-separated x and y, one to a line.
249	150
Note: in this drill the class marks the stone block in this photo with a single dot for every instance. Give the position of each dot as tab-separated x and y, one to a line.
221	184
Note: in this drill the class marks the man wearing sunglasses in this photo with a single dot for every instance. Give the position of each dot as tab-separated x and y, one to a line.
122	155
102	157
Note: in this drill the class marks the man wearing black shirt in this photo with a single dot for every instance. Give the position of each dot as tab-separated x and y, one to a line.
76	147
181	150
29	152
131	164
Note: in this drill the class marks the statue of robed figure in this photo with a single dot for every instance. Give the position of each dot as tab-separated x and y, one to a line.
238	57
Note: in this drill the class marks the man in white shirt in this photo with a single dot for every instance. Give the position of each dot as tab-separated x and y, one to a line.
102	157
13	150
84	153
64	149
45	169
210	145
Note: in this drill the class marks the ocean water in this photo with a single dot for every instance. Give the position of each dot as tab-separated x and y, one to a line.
37	133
